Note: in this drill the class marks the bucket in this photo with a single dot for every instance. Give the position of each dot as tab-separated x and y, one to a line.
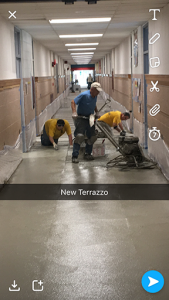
99	149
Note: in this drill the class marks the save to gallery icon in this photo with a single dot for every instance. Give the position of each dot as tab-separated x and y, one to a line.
36	284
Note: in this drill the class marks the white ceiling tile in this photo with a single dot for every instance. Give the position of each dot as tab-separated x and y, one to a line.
126	16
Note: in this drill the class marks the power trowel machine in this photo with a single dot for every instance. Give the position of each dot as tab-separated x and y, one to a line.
131	153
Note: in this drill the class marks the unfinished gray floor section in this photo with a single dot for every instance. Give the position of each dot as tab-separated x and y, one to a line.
46	165
83	250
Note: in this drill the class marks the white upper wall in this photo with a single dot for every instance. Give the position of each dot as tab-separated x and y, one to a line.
26	46
139	69
108	64
42	60
7	50
161	47
123	57
113	59
42	56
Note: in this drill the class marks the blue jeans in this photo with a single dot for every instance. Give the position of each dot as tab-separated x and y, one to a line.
83	127
45	139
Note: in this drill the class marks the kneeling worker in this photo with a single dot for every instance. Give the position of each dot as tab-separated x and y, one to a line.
114	118
52	130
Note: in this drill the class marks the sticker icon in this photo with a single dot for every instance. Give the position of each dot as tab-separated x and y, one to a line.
154	110
154	87
154	134
154	62
155	38
35	286
152	281
14	287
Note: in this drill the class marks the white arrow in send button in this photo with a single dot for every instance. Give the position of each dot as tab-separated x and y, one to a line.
152	281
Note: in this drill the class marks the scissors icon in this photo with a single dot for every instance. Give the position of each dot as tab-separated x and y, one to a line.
154	87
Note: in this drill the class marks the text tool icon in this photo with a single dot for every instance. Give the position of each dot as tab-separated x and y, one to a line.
14	287
152	281
12	14
154	19
154	87
37	286
154	38
154	134
154	62
154	110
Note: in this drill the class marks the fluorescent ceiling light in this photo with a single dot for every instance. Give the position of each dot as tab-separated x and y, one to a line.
81	49
82	56
79	35
78	57
82	60
82	53
82	44
85	20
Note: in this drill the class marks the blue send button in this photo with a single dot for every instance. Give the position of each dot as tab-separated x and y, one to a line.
152	281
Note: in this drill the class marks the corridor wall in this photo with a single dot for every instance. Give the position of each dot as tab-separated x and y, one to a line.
119	87
48	96
7	50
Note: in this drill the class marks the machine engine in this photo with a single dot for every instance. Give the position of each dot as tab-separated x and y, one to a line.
130	147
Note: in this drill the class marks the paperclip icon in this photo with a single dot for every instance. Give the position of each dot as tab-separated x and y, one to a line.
154	38
154	110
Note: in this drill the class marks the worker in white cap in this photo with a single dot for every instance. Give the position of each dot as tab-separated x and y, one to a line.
86	103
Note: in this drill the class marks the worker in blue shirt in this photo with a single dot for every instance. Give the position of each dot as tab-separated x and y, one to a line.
86	103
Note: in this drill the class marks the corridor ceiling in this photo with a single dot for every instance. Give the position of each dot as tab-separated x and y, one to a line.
126	15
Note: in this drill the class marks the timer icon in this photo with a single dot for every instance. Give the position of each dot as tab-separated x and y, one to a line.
154	134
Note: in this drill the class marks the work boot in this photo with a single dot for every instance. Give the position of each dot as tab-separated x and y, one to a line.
88	156
75	160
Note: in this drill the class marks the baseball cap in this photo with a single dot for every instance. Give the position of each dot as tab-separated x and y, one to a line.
97	86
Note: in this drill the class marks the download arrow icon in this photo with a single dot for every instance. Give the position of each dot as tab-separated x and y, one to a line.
14	285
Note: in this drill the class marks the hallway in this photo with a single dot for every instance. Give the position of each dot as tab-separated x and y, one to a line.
44	165
57	243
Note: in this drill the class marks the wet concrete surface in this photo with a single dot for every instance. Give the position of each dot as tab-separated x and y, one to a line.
83	249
